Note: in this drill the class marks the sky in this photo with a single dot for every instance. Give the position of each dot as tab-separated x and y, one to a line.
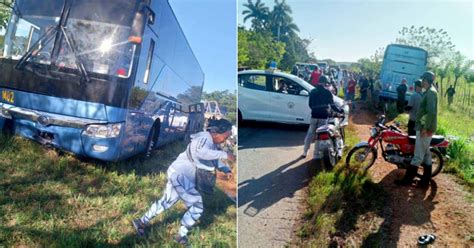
348	30
210	27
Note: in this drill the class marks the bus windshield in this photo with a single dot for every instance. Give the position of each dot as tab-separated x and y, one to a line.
99	32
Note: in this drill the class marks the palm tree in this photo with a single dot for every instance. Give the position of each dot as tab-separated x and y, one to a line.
258	12
281	23
462	65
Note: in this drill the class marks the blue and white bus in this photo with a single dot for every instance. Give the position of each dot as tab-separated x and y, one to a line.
103	79
401	62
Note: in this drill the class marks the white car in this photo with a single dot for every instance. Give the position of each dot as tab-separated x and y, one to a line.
273	96
276	97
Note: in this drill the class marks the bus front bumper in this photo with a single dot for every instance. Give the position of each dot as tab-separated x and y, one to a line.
62	132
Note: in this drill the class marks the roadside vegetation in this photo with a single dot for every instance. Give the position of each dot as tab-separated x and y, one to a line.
272	36
338	205
57	200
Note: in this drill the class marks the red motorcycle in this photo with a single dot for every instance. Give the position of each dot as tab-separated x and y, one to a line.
397	148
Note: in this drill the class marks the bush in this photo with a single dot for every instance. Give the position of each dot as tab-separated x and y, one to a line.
391	110
457	148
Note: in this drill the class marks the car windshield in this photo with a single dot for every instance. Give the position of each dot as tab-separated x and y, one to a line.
99	32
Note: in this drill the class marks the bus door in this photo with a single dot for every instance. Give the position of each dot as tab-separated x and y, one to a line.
139	119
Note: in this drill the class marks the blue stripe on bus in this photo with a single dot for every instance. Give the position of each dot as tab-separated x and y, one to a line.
69	107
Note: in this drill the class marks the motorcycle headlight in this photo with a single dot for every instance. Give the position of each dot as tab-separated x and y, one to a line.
373	132
103	131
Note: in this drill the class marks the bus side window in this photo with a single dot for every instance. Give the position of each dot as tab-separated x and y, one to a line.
149	61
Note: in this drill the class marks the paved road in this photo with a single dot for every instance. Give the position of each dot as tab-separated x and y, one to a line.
272	180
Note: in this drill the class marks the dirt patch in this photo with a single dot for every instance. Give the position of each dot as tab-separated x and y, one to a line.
444	209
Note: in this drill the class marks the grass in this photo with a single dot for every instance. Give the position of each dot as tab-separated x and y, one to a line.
454	124
51	200
339	205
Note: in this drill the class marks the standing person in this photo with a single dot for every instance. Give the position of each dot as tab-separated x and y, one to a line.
315	76
413	106
450	93
376	93
186	177
306	74
294	71
351	89
340	80
425	126
322	106
364	86
345	83
401	92
371	87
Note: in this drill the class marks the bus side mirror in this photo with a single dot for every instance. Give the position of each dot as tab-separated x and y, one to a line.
150	15
145	14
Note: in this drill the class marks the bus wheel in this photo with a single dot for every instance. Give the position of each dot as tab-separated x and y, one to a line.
152	139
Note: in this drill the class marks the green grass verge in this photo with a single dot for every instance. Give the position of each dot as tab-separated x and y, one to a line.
338	203
51	200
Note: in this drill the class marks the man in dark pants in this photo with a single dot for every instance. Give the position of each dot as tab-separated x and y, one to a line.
450	93
413	106
425	126
401	91
364	86
322	106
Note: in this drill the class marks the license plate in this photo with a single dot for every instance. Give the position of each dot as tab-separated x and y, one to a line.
8	96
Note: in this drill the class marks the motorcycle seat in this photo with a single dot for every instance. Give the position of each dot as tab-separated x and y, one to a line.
435	139
325	128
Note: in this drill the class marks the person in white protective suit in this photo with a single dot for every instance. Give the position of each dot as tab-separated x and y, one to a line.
201	155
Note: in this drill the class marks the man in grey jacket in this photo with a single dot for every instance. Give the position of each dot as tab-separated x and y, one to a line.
182	177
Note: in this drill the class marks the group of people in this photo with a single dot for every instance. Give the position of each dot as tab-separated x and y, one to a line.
346	80
422	107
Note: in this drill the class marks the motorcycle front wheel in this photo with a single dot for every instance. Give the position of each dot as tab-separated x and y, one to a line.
360	159
437	163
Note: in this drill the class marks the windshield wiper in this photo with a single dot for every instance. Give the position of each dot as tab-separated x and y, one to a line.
69	41
48	36
59	31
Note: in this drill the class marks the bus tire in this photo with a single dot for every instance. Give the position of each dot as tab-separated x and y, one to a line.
152	138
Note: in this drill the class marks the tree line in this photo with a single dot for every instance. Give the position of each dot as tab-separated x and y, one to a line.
272	36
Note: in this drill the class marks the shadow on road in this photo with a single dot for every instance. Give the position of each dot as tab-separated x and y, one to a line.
276	134
281	183
355	202
413	208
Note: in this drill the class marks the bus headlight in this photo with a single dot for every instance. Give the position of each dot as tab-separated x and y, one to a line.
103	131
